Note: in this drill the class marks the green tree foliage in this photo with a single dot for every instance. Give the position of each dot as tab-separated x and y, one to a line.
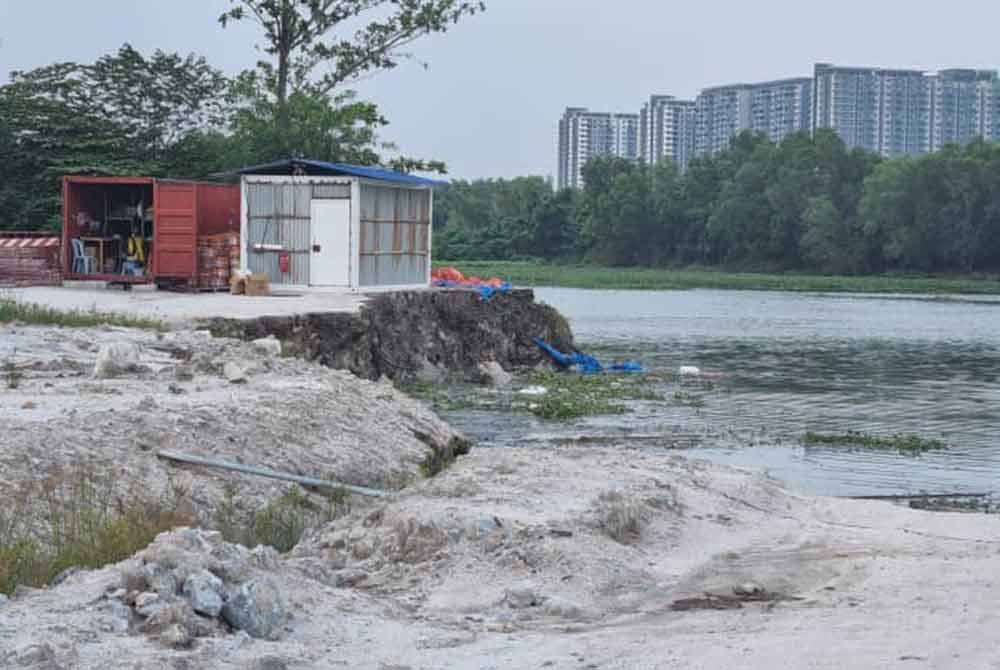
314	54
504	219
124	114
807	204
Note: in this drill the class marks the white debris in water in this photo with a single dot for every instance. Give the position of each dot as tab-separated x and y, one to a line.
689	371
533	390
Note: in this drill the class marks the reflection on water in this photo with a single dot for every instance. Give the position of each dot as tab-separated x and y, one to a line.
794	363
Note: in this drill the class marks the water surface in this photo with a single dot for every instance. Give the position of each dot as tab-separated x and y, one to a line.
795	362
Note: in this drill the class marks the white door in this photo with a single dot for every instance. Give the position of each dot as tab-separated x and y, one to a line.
330	262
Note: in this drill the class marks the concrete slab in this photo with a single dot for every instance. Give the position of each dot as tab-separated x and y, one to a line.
179	309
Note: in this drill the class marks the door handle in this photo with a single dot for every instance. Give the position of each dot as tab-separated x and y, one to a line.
316	248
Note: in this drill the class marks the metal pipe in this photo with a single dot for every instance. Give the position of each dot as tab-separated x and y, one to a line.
270	474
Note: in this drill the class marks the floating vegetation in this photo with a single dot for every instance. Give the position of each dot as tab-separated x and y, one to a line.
904	443
688	399
554	395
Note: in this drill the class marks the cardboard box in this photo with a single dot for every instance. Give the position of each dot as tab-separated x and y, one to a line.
258	284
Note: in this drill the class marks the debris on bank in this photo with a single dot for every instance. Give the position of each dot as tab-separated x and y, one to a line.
584	363
449	277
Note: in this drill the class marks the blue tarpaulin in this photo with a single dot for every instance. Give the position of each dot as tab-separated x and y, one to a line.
583	363
486	291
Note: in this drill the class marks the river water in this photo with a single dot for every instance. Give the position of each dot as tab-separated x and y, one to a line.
793	363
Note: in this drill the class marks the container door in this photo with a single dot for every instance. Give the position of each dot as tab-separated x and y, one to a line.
175	234
330	260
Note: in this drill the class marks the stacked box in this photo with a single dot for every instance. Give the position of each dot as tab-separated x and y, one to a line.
29	259
218	257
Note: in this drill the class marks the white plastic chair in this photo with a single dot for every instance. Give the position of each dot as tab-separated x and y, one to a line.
82	263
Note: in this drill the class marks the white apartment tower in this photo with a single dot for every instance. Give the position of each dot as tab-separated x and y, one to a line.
667	130
584	135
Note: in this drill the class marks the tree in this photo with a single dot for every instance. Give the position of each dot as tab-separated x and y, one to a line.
124	114
299	35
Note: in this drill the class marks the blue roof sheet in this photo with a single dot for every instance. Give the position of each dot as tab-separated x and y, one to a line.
341	169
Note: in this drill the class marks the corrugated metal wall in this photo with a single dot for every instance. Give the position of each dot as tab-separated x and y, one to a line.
395	224
278	214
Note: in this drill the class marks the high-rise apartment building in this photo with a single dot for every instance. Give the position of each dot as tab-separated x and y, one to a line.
721	113
584	135
775	108
964	106
905	112
886	111
667	130
781	108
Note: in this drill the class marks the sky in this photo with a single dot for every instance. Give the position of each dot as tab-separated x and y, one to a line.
489	100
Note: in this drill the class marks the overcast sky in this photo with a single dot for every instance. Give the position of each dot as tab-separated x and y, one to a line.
490	100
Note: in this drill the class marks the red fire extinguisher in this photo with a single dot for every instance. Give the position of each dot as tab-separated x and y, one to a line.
284	261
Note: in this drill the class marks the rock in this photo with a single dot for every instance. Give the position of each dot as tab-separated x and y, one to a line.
176	636
183	373
487	525
748	589
268	346
269	663
256	607
160	579
118	617
346	579
3	600
521	597
63	576
147	604
564	609
204	591
362	549
116	358
147	404
235	373
37	656
493	374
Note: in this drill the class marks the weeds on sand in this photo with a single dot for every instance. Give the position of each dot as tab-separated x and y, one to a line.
282	522
34	314
80	523
11	375
620	517
903	443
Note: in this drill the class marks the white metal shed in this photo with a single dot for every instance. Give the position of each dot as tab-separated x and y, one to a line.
332	225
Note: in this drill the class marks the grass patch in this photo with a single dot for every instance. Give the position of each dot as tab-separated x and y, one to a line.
282	522
532	273
439	460
82	524
12	376
34	314
620	517
903	443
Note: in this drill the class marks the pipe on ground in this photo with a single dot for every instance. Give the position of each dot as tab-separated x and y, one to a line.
270	474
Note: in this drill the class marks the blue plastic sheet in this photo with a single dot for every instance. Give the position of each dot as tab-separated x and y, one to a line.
485	291
583	363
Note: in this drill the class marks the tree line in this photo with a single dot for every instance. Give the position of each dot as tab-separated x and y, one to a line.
168	115
807	204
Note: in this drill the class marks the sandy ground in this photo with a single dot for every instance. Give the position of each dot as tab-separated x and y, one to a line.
181	308
507	559
286	414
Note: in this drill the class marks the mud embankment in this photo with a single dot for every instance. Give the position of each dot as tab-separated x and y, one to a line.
416	335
